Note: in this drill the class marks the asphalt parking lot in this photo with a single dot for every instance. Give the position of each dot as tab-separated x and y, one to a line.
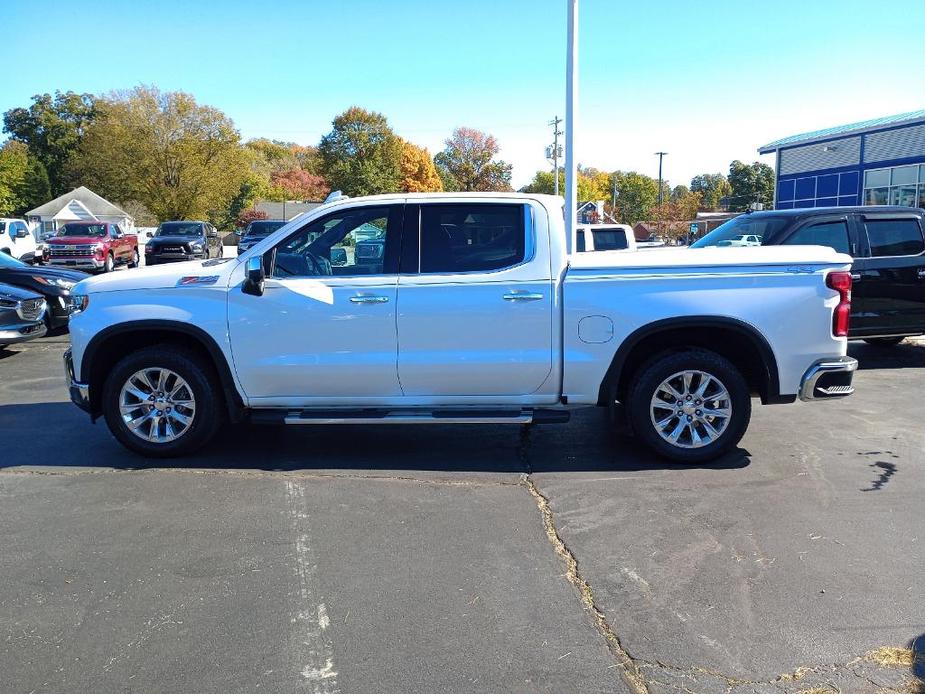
447	558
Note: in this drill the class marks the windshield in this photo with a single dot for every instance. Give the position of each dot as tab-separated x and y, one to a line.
179	229
744	230
9	261
95	230
262	229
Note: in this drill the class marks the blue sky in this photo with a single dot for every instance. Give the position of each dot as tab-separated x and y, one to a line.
707	82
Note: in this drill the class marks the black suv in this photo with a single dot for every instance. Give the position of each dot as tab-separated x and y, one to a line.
888	247
178	241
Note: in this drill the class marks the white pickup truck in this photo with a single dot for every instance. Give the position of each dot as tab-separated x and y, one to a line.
462	308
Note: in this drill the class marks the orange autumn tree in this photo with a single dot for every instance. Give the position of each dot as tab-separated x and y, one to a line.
418	173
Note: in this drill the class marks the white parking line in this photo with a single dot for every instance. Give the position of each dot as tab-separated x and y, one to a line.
314	652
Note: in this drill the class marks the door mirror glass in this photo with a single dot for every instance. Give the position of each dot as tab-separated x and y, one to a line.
21	233
255	277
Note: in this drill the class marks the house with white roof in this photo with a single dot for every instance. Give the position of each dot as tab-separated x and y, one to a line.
80	204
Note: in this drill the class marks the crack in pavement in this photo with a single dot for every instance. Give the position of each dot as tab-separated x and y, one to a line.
631	668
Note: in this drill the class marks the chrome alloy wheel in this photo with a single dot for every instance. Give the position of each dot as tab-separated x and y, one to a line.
157	405
691	409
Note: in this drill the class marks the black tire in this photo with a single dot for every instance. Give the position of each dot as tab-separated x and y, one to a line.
661	368
203	382
884	341
134	261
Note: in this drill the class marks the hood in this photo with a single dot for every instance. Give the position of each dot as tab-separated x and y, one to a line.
8	291
213	273
727	256
173	240
75	240
45	271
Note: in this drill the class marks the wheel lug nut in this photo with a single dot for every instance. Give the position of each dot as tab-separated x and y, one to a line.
689	418
698	413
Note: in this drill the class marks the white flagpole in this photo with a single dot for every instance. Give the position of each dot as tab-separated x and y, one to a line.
571	116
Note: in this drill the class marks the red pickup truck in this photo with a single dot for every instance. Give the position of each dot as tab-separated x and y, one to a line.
95	246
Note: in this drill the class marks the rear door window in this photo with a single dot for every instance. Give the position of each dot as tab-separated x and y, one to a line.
892	237
471	237
832	234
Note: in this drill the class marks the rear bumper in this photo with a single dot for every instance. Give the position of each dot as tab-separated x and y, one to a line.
828	378
79	392
21	332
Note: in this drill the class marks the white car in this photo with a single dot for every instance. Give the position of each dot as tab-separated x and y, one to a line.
741	240
16	240
473	312
605	237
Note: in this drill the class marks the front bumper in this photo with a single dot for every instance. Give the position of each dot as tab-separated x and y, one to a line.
79	392
828	378
21	332
157	259
82	262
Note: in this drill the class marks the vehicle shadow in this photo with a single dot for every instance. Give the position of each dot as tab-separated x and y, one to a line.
905	355
59	435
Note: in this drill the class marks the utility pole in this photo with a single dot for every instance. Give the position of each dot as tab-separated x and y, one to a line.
571	117
660	155
555	152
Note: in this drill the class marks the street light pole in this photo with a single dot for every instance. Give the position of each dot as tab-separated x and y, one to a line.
660	155
555	152
571	116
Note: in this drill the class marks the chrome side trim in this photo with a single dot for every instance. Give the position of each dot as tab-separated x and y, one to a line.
809	388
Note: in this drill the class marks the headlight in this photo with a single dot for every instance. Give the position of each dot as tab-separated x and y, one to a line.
196	247
77	303
54	282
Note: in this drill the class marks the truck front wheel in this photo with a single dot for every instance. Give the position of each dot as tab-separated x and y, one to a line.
162	401
691	406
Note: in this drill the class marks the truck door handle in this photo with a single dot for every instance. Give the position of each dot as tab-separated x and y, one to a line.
523	296
921	274
855	276
367	299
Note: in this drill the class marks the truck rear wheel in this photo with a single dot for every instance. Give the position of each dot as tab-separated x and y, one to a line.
162	401
691	406
134	261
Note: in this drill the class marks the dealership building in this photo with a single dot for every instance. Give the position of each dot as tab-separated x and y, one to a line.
877	162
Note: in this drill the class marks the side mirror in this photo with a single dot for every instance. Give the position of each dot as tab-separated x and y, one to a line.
238	232
149	234
255	277
21	234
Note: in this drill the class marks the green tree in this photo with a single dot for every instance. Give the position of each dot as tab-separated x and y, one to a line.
750	183
361	155
469	157
713	188
637	195
52	128
178	158
23	180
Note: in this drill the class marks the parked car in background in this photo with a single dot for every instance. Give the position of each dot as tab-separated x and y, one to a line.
474	312
258	230
888	247
605	237
178	241
94	246
741	240
16	240
54	284
22	315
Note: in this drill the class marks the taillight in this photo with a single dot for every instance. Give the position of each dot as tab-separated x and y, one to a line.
841	283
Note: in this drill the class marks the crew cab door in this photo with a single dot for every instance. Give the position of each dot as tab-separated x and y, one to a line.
475	301
323	332
888	296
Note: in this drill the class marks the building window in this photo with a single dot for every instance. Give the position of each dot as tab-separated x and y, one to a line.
899	185
825	190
